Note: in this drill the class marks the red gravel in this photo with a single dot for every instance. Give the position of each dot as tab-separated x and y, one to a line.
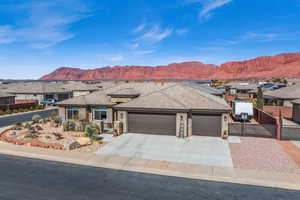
262	154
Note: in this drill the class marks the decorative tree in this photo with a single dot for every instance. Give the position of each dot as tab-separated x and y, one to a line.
260	99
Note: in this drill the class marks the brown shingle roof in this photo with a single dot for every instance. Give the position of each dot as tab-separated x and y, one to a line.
290	92
78	86
178	96
130	92
5	94
36	88
95	98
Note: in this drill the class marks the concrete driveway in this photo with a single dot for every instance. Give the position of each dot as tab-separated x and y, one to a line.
212	151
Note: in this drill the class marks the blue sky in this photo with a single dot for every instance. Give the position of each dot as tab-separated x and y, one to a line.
38	36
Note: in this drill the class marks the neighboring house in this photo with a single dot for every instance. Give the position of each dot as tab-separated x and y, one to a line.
39	91
6	98
207	89
242	90
296	111
153	108
79	88
283	96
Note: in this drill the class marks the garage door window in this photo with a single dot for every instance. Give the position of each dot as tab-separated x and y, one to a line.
100	113
73	113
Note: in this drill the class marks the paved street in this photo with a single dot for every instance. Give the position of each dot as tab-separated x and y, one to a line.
24	178
10	120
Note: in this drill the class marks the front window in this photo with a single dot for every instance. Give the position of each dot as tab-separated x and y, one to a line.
73	113
100	113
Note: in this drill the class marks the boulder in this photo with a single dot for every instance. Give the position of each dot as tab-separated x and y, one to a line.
84	141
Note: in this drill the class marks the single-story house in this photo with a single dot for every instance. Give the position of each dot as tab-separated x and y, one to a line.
6	98
208	89
39	91
242	90
283	96
80	88
296	111
153	108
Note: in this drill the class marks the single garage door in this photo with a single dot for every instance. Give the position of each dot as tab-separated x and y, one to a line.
206	125
150	123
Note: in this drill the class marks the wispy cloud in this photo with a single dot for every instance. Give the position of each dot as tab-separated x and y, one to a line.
182	31
46	24
113	58
207	6
156	34
144	52
264	37
139	28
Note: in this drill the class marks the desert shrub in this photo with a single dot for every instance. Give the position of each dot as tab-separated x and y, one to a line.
27	126
19	124
45	120
57	119
40	107
53	114
31	135
69	125
92	131
39	128
36	118
58	136
8	112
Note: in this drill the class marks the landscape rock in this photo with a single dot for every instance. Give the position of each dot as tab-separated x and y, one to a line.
84	141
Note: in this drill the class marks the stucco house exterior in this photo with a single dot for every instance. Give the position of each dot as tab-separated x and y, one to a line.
6	98
296	111
283	96
39	91
79	88
153	108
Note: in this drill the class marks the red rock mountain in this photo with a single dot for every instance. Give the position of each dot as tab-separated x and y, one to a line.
283	65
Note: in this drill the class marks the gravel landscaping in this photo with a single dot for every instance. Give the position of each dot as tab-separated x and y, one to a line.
262	154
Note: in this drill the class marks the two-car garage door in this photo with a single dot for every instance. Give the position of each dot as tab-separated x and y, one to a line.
152	123
165	124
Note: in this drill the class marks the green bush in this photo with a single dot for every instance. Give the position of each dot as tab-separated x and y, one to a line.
2	112
40	107
53	114
69	125
57	119
31	135
27	126
8	112
36	118
92	131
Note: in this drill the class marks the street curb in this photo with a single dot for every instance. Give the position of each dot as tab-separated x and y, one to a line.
166	172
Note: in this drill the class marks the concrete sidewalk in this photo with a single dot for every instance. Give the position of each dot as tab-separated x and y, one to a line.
193	171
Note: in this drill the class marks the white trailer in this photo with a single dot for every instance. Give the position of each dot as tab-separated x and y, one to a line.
242	110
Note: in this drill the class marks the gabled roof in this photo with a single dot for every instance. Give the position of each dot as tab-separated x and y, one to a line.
5	94
79	86
289	92
95	98
36	88
178	96
206	88
125	92
297	101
